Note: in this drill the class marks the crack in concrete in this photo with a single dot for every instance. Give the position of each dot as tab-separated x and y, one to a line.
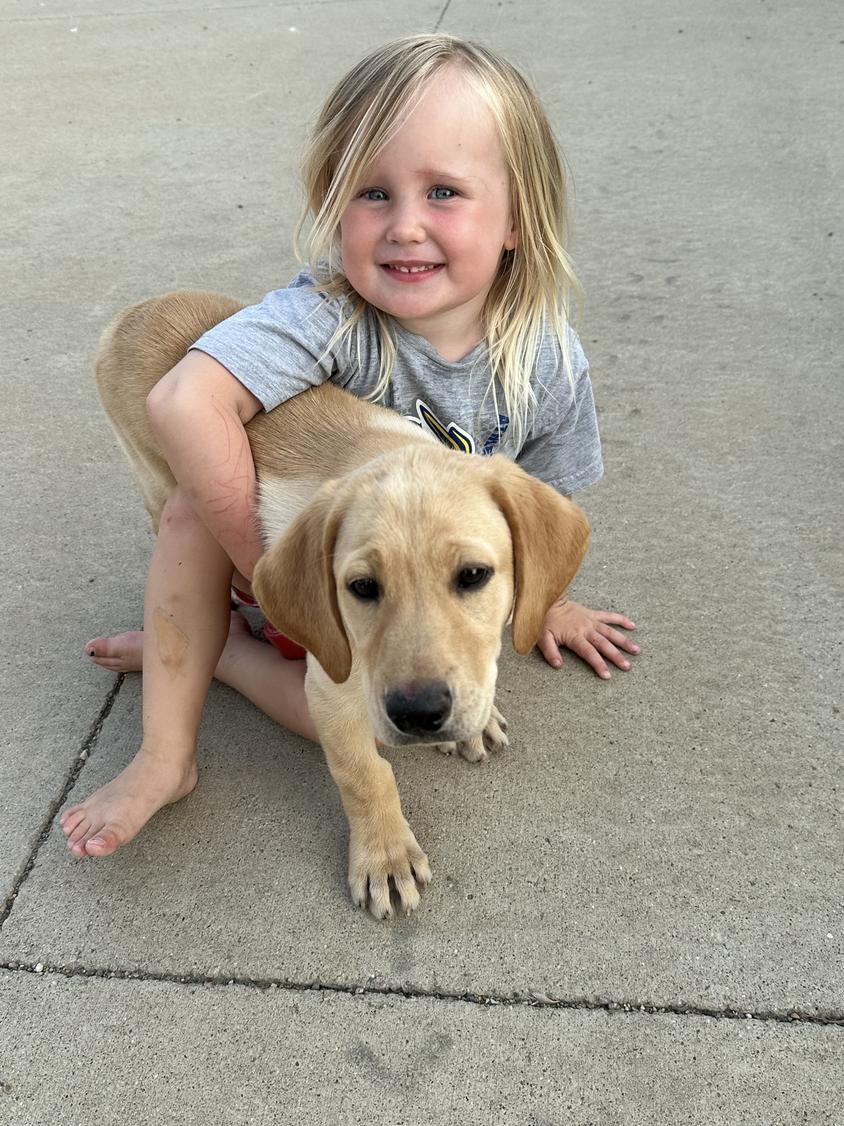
441	16
205	9
82	756
532	999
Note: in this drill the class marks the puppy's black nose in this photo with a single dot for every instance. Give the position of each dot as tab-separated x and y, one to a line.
419	707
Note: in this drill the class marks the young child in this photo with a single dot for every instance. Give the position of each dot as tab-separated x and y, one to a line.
439	285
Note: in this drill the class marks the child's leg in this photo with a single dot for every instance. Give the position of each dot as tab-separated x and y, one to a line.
274	685
185	623
253	668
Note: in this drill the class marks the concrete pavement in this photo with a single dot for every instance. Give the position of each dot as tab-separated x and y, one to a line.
636	913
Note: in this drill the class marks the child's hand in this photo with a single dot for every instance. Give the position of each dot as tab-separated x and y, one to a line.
588	633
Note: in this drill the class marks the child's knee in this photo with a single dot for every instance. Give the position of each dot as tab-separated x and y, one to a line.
179	516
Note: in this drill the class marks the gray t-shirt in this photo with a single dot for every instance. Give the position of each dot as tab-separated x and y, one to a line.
277	348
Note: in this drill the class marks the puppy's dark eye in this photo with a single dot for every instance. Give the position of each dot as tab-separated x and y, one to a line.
471	578
367	590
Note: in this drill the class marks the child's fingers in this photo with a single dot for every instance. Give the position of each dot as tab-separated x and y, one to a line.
595	649
549	648
608	650
611	618
589	653
619	639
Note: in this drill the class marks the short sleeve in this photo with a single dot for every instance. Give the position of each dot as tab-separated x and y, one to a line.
563	447
279	347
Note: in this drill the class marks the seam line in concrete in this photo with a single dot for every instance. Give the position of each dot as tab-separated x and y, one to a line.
82	756
199	10
531	1000
442	16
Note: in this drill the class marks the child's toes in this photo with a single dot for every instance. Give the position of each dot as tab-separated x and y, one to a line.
122	653
79	834
103	843
113	664
98	646
71	818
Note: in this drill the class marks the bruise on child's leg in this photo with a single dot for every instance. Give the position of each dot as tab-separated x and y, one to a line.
172	641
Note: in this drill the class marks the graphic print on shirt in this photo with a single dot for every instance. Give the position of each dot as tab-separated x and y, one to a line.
453	435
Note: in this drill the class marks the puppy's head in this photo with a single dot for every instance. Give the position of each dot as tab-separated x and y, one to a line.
409	568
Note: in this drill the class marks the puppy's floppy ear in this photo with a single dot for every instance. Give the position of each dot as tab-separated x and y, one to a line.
550	536
295	587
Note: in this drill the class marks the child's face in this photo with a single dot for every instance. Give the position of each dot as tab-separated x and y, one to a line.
436	200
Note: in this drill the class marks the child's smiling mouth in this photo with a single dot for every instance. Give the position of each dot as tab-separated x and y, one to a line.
411	271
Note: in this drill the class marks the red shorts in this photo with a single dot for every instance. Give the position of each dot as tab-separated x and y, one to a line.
284	645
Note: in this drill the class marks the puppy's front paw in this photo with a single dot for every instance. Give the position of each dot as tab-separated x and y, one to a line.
493	738
495	732
379	860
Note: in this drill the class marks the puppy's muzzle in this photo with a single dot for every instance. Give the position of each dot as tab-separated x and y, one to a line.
419	708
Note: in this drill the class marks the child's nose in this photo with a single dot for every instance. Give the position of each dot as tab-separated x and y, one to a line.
405	224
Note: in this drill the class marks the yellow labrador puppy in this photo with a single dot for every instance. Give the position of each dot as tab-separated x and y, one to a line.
394	561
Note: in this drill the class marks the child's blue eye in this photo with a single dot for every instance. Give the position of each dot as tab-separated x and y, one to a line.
442	193
377	195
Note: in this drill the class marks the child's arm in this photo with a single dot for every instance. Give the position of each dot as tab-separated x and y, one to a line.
198	412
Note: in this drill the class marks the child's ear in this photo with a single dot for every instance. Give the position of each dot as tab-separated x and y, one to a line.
512	239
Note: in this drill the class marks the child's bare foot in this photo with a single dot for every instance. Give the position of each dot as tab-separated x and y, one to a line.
115	814
124	652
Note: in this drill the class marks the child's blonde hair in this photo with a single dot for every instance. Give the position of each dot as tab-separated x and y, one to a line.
535	283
